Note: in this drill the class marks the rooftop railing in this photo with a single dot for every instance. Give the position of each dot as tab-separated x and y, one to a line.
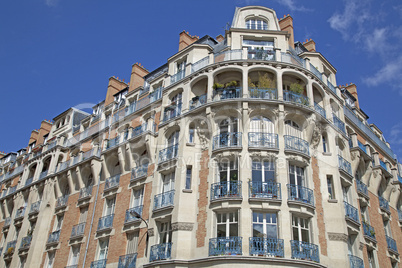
168	153
78	230
139	172
160	252
355	262
270	247
263	140
301	194
320	110
127	261
362	146
234	54
339	124
304	251
164	200
331	87
383	165
344	165
225	246
296	144
85	192
26	242
292	59
268	190
263	93
228	139
198	101
130	216
54	237
351	212
112	182
225	189
105	222
315	71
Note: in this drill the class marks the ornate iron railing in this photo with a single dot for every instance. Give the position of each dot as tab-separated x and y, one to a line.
139	172
20	213
264	140
320	110
26	242
35	207
127	261
368	230
85	192
260	54
270	190
391	244
168	153
315	71
78	230
112	142
105	222
339	124
229	139
200	64
7	221
225	246
331	87
112	182
362	146
160	252
10	247
172	111
178	76
355	262
351	212
344	165
300	193
384	204
296	144
271	247
226	93
61	201
29	181
361	187
99	264
226	189
304	251
263	93
130	217
54	237
198	101
63	165
296	98
137	131
383	165
164	200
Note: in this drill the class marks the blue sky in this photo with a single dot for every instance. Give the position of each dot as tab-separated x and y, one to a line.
56	54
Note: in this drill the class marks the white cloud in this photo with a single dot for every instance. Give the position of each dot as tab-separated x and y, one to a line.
292	6
390	72
85	105
51	3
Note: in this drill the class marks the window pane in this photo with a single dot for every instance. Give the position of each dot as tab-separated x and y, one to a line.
233	230
258	230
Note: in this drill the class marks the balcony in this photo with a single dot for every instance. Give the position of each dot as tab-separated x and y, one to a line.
54	237
99	264
400	215
263	140
362	188
344	165
129	217
362	147
198	101
112	182
20	213
331	87
304	251
290	96
139	172
296	144
105	222
263	93
339	124
226	189
85	192
227	55
62	166
177	77
78	230
29	181
293	59
384	205
7	222
225	246
226	93
172	111
265	190
355	262
168	153
62	201
127	261
300	194
35	207
270	247
228	139
164	200
112	143
320	110
200	64
160	252
137	131
25	242
351	212
260	54
12	190
315	71
368	231
10	248
391	244
42	175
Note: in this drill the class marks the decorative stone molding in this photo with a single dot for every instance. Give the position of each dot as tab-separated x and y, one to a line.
151	232
338	237
376	173
361	246
182	226
355	155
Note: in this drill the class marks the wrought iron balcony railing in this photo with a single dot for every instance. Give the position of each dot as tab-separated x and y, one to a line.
26	242
339	124
54	237
112	182
391	244
139	172
331	87
383	165
351	212
361	187
263	93
35	207
78	230
20	213
345	165
99	264
263	140
296	144
178	76
260	54
29	181
112	142
228	139
85	192
198	101
301	194
43	174
130	217
368	230
383	203
164	200
105	222
315	71
137	131
296	98
225	189
226	93
271	247
355	262
304	251
362	146
168	153
127	261
320	110
225	246
160	252
61	201
7	222
10	247
269	190
200	64
172	111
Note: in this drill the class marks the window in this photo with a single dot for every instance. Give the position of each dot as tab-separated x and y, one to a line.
45	138
50	259
173	139
324	144
263	171
188	178
331	191
371	258
103	249
258	44
74	255
351	242
137	198
132	242
191	135
58	223
261	124
83	214
296	175
165	233
181	66
265	225
227	128
120	98
365	215
256	24
300	229
345	191
293	129
228	171
387	229
227	224
109	206
31	146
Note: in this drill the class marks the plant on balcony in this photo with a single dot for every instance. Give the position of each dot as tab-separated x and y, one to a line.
296	88
217	86
231	84
10	251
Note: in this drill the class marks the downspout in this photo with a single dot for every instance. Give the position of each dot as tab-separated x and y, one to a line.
92	220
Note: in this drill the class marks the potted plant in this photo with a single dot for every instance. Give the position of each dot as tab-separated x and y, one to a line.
218	86
297	88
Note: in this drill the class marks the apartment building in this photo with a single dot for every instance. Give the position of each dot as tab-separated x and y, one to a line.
240	150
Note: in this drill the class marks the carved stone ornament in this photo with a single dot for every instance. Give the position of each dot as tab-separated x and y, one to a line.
338	237
182	226
202	131
361	246
151	231
316	136
354	155
299	159
376	173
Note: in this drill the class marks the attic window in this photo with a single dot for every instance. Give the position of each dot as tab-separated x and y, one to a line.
256	24
120	98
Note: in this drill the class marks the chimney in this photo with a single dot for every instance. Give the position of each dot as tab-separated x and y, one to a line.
286	24
220	38
34	136
309	45
137	73
115	85
44	129
353	90
186	40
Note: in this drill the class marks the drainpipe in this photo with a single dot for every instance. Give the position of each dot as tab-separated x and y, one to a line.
92	220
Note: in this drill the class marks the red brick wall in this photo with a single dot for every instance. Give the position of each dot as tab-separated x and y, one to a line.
318	205
202	199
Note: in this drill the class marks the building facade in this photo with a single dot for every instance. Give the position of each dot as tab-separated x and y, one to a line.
240	151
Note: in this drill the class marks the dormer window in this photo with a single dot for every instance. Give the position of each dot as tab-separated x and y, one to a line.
256	24
45	138
120	98
31	146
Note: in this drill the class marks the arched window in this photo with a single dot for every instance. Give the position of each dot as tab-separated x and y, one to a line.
293	129
261	124
256	24
173	138
228	125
